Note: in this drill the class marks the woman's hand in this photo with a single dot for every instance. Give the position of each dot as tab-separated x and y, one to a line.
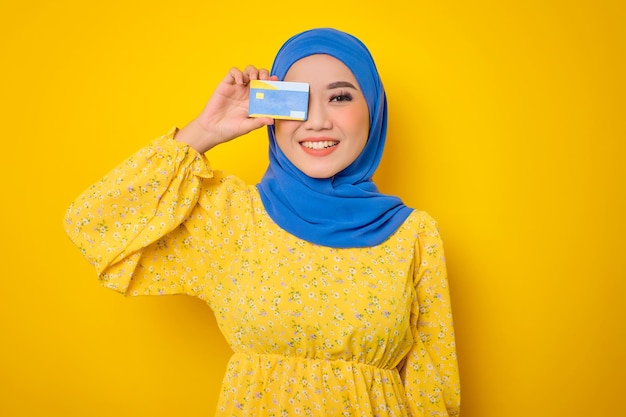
225	117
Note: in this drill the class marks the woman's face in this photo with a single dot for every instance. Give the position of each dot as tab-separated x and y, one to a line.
337	126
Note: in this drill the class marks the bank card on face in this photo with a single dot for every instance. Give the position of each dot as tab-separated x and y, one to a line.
279	99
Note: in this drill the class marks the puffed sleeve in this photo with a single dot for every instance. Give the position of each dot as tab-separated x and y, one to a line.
430	370
130	224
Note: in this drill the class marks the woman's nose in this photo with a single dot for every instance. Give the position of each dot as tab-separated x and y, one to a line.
317	117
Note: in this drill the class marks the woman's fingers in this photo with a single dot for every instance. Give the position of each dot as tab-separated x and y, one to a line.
253	73
236	76
264	74
250	73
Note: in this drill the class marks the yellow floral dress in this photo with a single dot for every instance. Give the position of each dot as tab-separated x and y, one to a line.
316	331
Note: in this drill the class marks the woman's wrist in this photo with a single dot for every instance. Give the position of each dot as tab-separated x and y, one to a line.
195	136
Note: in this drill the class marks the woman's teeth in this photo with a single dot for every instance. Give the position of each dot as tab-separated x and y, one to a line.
319	144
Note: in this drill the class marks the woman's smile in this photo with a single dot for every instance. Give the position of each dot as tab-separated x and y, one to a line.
319	146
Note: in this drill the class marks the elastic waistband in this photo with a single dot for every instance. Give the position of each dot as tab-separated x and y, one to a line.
304	361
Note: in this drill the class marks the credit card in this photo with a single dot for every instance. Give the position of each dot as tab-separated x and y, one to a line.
279	99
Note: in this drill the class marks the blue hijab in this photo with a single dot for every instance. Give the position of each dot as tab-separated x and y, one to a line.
347	210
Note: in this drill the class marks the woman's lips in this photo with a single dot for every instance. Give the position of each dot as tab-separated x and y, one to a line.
319	146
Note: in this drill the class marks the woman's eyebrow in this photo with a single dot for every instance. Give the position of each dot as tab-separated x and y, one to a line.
339	84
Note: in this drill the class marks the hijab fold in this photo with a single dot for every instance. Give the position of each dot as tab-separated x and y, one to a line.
346	210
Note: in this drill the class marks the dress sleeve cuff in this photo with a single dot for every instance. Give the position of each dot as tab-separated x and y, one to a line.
182	154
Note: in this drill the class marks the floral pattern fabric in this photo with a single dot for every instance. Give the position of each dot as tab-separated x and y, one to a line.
316	331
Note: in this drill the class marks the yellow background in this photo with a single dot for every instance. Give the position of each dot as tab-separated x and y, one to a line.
507	124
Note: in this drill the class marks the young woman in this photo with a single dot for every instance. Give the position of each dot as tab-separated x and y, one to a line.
333	296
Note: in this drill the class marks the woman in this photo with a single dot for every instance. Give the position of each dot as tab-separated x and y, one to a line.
333	296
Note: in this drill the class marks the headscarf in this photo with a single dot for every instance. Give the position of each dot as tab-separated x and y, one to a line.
346	210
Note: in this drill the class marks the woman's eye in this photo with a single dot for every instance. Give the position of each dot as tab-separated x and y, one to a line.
341	98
